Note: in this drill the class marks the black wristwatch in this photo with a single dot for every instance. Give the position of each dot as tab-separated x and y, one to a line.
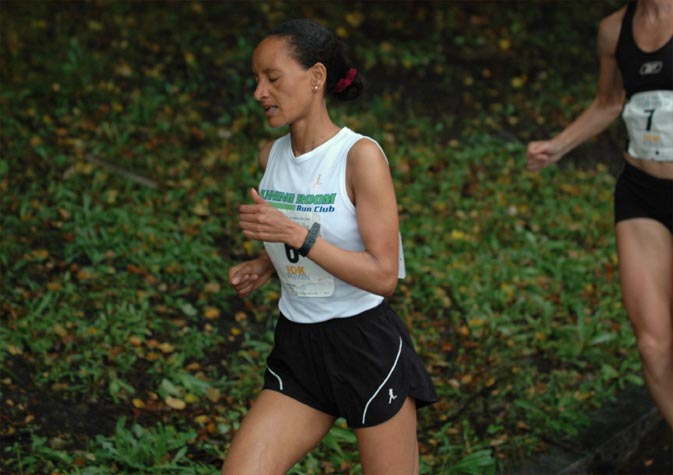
310	240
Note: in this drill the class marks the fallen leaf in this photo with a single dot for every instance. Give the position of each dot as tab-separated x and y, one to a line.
211	313
175	403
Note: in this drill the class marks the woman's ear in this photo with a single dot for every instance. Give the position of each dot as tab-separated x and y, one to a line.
318	76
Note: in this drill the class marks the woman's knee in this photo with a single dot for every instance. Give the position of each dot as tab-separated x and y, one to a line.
656	351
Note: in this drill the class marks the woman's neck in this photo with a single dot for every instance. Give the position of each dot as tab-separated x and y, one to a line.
656	10
310	134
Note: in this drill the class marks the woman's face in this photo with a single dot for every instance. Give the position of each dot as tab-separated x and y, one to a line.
284	87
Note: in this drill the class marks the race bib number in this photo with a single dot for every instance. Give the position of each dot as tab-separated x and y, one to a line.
300	275
649	120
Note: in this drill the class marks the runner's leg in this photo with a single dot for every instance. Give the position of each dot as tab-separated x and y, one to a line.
645	251
391	447
276	433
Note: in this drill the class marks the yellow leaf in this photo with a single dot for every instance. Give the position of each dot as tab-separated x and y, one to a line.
201	209
249	247
111	196
457	235
189	58
467	379
95	25
202	419
519	81
213	395
211	313
138	403
272	295
135	341
40	254
355	19
212	288
14	350
59	330
195	366
166	348
54	286
386	47
580	396
175	403
123	69
235	331
191	398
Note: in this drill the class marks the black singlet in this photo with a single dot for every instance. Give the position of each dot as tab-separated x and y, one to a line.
642	71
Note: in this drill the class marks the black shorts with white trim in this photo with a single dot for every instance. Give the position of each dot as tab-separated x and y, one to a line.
361	368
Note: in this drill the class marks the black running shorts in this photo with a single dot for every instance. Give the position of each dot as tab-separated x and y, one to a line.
361	368
641	195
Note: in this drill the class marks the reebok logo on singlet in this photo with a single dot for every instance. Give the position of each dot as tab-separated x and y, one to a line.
653	67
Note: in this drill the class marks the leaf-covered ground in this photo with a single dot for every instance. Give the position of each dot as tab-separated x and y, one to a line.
128	139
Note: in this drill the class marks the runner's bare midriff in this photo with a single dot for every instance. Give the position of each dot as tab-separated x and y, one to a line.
651	167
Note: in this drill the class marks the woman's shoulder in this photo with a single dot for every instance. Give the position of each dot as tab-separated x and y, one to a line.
365	146
610	28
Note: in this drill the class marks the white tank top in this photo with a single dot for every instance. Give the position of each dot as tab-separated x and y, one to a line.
312	188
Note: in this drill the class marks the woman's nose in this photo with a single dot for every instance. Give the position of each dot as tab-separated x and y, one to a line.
260	91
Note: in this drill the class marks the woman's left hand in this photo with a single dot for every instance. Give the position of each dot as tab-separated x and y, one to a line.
262	222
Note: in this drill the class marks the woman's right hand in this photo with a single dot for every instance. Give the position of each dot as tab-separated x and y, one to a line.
541	154
250	275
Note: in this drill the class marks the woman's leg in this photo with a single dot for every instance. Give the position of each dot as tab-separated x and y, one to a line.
391	447
645	251
276	433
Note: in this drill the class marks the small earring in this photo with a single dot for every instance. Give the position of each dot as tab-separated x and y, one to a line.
315	88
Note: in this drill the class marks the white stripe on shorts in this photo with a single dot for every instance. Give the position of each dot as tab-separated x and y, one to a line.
399	350
280	381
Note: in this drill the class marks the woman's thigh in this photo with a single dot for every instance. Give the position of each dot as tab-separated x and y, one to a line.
645	250
276	433
390	447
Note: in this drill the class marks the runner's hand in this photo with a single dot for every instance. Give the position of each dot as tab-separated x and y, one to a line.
248	276
262	222
541	154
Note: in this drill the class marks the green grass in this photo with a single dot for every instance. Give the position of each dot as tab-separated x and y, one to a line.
129	142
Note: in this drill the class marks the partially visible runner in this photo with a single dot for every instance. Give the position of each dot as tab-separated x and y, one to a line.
327	214
635	45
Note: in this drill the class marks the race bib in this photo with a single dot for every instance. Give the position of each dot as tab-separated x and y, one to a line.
300	275
649	120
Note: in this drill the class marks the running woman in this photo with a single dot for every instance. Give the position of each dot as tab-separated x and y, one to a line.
327	214
635	46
